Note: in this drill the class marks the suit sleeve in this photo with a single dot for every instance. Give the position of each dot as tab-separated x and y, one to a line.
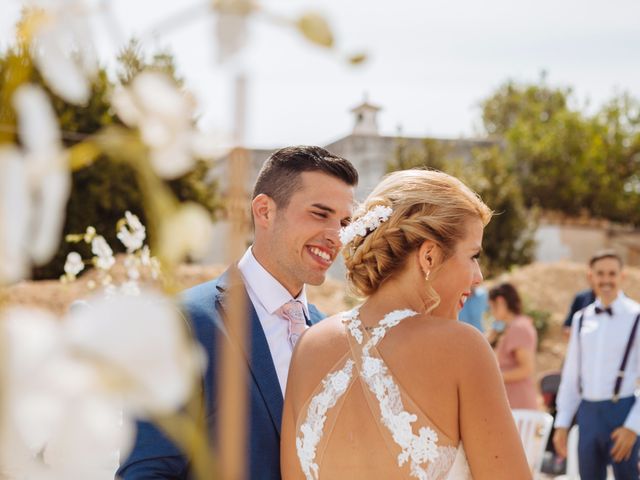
154	457
575	306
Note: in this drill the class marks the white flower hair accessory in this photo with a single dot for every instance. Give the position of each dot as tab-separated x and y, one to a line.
365	224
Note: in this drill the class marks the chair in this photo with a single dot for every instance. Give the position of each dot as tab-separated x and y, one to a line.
534	427
572	454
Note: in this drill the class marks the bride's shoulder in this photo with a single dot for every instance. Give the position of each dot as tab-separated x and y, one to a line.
315	354
454	336
325	335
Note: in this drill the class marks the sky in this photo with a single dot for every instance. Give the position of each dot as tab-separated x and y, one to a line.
430	62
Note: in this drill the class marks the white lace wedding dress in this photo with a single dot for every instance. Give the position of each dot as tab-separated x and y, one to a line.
416	445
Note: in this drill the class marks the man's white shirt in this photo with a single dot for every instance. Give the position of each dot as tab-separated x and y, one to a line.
603	340
267	295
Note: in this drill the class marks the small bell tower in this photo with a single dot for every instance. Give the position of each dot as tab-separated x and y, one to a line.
366	118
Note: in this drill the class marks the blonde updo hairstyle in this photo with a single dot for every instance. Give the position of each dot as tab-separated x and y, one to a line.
426	205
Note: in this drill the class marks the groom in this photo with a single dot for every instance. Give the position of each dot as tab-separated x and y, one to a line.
302	197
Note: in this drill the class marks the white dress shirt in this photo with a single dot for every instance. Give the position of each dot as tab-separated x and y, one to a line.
267	295
603	340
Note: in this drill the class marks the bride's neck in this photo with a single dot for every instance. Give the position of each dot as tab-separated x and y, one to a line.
391	296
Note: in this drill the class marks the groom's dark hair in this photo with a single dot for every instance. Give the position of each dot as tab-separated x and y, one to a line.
279	177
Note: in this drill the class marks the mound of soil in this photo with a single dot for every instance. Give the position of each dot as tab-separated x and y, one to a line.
544	286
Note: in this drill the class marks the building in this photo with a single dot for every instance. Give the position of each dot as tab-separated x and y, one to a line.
371	153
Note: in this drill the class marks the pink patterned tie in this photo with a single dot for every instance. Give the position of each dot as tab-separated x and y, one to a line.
293	313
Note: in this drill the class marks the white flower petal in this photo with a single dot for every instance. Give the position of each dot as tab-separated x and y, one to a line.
159	96
37	122
87	447
187	233
125	106
65	78
73	264
172	161
15	211
156	378
51	206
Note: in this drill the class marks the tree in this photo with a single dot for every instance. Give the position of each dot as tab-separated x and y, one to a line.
105	189
508	239
567	160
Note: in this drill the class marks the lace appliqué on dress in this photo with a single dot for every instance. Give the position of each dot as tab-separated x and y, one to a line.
335	384
421	449
353	323
440	468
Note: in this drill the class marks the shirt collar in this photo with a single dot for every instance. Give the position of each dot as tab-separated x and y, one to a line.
616	306
268	291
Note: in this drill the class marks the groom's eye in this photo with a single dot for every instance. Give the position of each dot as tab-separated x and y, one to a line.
320	214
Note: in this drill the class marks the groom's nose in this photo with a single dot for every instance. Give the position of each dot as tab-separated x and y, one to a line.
332	235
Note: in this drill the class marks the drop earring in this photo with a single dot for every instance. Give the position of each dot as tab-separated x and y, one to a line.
426	276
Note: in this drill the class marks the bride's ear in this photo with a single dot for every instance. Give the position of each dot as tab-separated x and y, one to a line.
429	255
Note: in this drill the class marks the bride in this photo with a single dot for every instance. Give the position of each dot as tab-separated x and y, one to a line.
394	388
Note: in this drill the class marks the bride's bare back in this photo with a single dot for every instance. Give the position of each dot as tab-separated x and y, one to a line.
349	425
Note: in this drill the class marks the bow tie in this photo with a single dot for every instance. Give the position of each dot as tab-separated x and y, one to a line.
600	310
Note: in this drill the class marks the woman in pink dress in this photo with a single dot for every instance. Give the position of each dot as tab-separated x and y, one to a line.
516	348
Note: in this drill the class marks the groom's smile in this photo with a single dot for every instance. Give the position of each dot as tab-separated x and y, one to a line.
322	256
304	235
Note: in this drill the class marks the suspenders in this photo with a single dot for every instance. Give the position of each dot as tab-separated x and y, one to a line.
623	364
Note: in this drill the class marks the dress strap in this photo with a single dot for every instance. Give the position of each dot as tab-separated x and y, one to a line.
314	432
418	451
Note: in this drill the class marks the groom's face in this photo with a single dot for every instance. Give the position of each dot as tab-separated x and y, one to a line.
303	241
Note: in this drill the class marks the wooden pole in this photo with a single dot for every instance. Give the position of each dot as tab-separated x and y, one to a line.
232	385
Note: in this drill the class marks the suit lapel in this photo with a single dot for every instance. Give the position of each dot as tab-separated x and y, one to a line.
258	355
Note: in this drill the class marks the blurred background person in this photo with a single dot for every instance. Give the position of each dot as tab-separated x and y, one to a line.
581	300
600	378
516	347
475	307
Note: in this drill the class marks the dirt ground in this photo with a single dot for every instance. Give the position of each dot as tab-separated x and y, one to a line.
548	287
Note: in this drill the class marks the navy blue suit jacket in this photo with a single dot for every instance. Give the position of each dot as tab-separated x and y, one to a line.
581	300
155	457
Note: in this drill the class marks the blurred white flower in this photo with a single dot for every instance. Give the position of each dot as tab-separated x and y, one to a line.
145	256
55	425
104	258
131	233
187	233
130	287
152	263
14	216
47	170
34	187
74	385
64	50
142	345
73	265
164	115
132	264
89	234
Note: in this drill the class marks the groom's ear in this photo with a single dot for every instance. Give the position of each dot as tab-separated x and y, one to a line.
263	209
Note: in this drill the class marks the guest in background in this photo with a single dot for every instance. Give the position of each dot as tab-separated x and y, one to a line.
581	300
516	348
474	308
600	377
